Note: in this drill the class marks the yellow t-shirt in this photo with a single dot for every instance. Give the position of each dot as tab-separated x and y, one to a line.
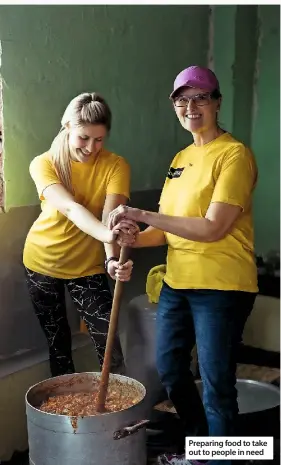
224	170
54	245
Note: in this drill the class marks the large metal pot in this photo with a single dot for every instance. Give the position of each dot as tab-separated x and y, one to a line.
140	346
94	440
259	408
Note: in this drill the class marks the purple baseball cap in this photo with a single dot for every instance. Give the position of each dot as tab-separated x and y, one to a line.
196	76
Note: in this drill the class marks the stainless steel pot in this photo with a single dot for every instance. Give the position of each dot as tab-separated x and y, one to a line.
140	345
105	439
253	396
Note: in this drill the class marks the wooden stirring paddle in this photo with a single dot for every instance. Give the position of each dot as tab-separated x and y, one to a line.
113	324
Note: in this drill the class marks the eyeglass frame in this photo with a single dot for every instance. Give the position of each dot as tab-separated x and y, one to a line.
214	95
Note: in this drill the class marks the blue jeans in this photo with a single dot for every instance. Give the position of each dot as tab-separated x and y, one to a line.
214	320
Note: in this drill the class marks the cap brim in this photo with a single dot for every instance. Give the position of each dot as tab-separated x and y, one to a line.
189	84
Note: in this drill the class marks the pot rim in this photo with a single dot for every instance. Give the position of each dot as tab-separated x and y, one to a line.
70	375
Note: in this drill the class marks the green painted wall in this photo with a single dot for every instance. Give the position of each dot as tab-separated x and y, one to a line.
130	54
266	129
246	58
246	39
235	47
224	18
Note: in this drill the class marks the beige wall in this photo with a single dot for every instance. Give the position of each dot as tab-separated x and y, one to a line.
262	329
13	431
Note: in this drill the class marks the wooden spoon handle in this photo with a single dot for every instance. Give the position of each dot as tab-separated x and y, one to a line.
113	324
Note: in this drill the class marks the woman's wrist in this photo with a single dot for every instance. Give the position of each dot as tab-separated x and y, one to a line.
136	214
108	260
110	237
142	216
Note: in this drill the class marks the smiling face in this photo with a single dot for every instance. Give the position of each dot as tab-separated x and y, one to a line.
196	109
86	140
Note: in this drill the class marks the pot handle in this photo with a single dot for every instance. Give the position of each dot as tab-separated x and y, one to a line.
130	429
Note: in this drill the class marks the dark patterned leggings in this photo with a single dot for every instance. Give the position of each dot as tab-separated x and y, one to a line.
93	300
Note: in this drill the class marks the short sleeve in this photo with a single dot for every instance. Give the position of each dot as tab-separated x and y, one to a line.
161	200
237	178
174	162
119	179
43	174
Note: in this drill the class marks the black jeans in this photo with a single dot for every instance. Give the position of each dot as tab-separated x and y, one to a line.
93	300
214	320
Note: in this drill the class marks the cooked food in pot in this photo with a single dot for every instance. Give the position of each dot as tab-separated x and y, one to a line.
119	397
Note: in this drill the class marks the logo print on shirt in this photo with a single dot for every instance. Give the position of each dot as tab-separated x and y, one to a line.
174	172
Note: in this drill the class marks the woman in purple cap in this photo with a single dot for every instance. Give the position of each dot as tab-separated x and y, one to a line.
210	286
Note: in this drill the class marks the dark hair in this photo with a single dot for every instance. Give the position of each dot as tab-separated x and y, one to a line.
216	94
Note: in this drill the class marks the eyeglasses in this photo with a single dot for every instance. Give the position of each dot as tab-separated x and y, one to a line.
199	100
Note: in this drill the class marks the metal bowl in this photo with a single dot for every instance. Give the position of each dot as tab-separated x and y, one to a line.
254	396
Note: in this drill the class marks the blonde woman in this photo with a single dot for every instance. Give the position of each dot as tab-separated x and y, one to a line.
79	183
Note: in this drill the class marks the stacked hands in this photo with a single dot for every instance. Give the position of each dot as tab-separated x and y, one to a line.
122	222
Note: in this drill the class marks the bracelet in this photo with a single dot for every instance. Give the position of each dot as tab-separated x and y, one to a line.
109	260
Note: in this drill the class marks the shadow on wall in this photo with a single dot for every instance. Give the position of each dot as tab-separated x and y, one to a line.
19	329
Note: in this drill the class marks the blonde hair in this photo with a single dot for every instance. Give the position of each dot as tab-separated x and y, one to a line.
86	108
